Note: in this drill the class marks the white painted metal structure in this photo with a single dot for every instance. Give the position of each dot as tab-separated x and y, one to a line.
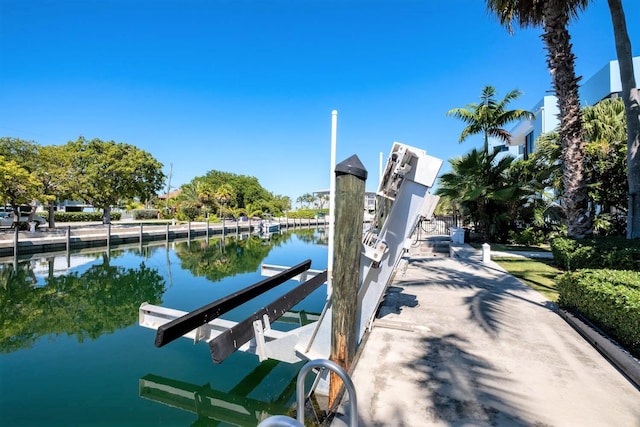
408	176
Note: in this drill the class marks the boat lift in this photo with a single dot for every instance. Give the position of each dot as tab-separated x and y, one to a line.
409	175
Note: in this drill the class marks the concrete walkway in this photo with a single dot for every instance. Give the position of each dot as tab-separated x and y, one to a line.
459	342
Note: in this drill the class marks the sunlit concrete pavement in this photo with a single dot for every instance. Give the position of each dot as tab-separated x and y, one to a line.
459	342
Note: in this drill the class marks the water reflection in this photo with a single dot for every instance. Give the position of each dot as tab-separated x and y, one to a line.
237	406
100	300
43	296
227	257
69	324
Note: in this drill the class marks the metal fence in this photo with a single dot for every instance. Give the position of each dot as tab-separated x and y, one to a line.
439	225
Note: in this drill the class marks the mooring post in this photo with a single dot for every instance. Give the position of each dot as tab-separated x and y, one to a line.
349	216
15	240
68	239
167	237
189	231
108	238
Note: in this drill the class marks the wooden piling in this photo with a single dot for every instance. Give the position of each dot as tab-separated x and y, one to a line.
347	240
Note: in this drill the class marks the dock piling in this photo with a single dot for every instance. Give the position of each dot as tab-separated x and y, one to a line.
349	216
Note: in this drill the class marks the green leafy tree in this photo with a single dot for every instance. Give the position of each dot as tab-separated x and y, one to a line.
225	196
109	172
55	172
243	195
606	158
604	162
554	17
281	203
489	117
19	184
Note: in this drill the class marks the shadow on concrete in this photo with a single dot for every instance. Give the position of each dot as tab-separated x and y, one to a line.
489	289
462	386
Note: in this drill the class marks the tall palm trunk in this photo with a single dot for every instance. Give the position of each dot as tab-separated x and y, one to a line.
561	62
631	98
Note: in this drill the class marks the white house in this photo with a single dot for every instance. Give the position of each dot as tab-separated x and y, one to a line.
604	84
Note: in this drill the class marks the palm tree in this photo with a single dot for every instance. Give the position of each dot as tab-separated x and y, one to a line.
631	98
483	188
554	16
489	116
604	162
224	195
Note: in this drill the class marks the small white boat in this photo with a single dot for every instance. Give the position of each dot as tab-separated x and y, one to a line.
267	226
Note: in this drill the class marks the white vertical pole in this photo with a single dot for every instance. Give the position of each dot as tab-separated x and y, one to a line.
332	199
380	170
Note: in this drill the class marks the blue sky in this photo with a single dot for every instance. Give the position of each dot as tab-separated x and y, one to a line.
248	86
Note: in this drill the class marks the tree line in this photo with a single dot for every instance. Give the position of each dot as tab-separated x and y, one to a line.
107	174
224	195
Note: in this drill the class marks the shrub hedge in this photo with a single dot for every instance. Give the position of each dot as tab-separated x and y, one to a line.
145	214
616	253
307	213
610	299
82	216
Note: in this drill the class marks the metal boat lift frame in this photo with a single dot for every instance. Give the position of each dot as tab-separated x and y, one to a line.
407	179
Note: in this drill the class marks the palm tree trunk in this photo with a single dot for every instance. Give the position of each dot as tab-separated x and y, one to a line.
631	98
561	62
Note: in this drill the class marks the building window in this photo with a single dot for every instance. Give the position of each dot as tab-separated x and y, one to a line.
529	145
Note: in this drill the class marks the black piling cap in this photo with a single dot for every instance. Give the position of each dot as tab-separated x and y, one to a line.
352	166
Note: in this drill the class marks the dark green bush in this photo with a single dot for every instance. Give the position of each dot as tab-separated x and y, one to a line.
610	299
145	214
615	253
187	213
529	237
83	216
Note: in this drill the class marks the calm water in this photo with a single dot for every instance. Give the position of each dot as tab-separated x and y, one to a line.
72	353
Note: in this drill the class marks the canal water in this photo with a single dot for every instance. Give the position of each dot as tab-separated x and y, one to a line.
72	352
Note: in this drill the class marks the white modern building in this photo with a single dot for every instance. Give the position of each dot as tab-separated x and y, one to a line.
604	84
369	200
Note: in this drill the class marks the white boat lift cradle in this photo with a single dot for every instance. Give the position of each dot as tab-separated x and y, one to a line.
407	178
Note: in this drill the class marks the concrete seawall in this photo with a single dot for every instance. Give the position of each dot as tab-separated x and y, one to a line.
81	235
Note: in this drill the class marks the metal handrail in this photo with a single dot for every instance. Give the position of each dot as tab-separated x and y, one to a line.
332	366
284	421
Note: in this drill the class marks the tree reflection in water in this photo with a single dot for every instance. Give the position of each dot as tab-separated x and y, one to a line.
227	257
100	300
106	298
